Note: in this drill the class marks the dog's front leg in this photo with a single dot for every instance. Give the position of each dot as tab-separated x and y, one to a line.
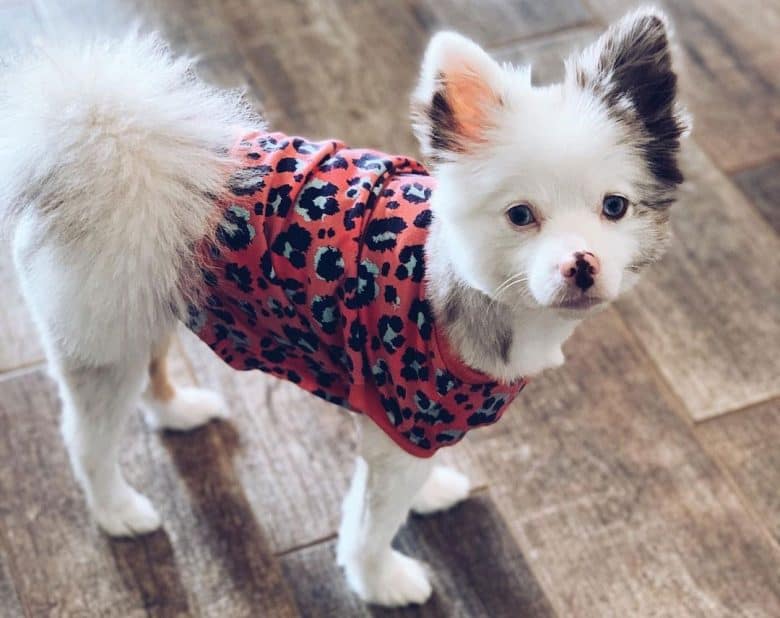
384	486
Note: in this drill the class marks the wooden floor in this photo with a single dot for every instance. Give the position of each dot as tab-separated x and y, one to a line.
642	479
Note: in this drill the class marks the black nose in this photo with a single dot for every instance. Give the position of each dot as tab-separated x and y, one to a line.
583	277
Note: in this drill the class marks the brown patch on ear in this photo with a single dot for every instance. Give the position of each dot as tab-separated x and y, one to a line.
471	100
459	113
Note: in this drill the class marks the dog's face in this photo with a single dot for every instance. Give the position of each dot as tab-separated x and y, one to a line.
553	196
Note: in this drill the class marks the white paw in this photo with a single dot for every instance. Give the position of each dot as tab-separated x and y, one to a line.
394	581
190	408
127	514
444	488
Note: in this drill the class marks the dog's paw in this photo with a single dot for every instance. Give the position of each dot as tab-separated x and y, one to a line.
444	488
129	513
189	408
395	581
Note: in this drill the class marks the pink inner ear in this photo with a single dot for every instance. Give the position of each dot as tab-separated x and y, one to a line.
471	100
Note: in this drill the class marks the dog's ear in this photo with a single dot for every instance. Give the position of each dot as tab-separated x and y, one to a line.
630	69
457	97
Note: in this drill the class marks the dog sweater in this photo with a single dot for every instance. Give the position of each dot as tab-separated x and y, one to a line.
316	274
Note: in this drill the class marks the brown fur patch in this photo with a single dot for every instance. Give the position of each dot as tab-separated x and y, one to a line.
159	382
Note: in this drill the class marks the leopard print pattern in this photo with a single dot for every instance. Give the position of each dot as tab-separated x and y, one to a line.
316	274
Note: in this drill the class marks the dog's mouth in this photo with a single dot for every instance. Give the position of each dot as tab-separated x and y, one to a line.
579	303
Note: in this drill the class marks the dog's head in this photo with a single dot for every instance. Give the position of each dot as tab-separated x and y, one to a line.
554	196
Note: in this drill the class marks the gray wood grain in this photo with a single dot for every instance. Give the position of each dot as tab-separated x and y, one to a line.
211	559
497	22
10	606
478	570
746	443
708	313
762	186
614	503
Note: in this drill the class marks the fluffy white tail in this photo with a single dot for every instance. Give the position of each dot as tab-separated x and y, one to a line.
110	154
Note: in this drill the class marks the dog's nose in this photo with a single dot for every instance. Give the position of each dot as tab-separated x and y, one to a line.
580	269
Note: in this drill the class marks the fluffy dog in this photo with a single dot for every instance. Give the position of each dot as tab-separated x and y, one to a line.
140	196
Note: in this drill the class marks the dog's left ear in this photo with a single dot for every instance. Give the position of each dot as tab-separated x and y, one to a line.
458	95
630	69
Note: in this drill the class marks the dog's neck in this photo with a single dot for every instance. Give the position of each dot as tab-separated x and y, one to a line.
495	338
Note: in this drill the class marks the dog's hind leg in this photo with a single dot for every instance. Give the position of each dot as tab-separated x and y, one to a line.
167	406
384	485
96	403
100	370
443	489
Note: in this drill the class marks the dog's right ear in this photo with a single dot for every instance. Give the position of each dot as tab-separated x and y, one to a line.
457	98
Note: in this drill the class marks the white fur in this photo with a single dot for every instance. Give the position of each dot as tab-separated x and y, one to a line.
187	409
555	148
384	486
444	488
108	153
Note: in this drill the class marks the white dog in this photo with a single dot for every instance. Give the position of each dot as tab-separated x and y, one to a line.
132	189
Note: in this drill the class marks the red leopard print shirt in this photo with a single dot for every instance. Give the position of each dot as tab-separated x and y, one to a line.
317	275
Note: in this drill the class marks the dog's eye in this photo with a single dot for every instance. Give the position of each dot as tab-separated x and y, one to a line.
614	207
520	215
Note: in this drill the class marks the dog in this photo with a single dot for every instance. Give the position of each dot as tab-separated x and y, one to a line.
140	196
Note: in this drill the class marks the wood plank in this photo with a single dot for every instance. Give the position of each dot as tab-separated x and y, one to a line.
212	558
708	313
199	28
10	606
691	310
617	508
546	55
478	570
354	64
192	27
730	63
746	443
762	186
498	22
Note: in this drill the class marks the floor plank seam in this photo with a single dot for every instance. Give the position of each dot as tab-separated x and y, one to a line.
477	490
537	37
22	370
744	500
745	408
731	177
752	166
536	568
681	410
295	548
